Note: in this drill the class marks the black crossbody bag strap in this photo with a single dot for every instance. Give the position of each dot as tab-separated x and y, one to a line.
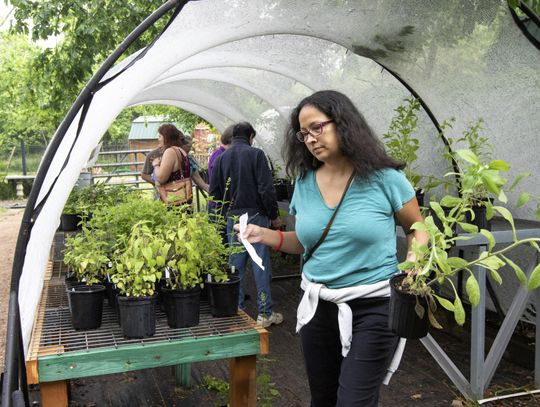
325	233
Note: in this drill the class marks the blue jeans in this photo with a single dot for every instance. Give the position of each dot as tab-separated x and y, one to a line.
354	380
262	277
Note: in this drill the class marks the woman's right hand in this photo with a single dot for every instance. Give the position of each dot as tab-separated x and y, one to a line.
253	233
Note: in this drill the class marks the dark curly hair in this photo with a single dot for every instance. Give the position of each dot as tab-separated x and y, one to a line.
356	139
171	135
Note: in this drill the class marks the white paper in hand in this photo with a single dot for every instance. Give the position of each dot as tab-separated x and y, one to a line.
251	251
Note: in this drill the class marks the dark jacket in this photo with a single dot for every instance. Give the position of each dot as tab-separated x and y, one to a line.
251	189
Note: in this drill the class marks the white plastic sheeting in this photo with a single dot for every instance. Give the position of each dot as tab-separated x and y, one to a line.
231	60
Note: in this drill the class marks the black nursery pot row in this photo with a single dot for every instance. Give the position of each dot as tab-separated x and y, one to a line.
137	314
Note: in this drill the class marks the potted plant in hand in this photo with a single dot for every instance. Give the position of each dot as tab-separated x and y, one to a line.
86	258
433	266
138	266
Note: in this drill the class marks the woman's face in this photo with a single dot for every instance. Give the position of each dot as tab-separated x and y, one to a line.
324	146
160	140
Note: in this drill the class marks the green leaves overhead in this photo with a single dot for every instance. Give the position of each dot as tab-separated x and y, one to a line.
87	32
41	83
23	98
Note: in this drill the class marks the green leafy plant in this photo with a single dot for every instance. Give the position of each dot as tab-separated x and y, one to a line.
88	199
220	386
525	197
191	239
401	142
115	222
433	265
266	387
480	182
74	205
140	264
86	256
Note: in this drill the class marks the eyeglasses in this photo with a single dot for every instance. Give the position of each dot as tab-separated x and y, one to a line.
315	130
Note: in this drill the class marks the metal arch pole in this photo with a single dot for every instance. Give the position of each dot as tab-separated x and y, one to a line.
537	329
13	353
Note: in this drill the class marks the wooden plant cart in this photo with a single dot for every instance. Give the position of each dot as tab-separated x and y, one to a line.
58	353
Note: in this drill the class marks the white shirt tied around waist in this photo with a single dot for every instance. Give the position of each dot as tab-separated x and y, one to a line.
340	296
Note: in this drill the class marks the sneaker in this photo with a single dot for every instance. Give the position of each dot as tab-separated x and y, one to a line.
275	318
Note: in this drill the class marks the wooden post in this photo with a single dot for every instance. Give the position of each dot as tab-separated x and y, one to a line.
243	385
54	394
182	374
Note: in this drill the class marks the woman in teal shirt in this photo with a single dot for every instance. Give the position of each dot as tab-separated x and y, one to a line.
343	315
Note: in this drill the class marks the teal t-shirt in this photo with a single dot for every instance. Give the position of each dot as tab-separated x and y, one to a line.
361	245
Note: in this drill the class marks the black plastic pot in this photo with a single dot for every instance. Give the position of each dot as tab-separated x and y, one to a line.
223	297
290	191
281	191
70	222
159	299
402	318
183	306
480	220
71	281
204	290
137	316
420	195
86	306
111	293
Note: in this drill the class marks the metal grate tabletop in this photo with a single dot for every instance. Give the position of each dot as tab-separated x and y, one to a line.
54	333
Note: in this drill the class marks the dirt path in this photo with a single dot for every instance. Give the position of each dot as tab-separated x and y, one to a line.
10	221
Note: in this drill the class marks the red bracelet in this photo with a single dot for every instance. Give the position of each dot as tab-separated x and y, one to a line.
280	240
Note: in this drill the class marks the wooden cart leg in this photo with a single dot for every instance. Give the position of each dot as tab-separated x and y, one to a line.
54	394
182	374
243	384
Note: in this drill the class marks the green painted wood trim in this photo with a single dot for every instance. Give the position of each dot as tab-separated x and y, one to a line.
182	375
102	361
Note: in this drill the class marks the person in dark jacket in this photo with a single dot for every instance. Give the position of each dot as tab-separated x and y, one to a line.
242	181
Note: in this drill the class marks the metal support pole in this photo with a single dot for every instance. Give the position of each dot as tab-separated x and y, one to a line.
507	328
446	364
23	157
537	330
478	333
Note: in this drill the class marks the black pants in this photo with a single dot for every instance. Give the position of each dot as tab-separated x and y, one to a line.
356	379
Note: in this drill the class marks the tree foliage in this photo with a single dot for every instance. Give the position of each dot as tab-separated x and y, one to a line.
22	98
87	32
43	82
